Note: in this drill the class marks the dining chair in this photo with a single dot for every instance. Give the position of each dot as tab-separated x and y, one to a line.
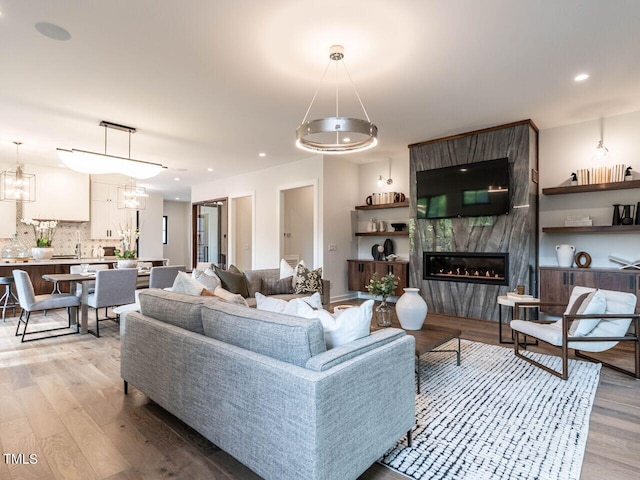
30	302
163	277
114	287
92	268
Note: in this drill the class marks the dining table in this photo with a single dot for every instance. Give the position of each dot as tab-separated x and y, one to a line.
84	280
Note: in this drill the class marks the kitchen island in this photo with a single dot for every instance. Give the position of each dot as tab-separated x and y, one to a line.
37	268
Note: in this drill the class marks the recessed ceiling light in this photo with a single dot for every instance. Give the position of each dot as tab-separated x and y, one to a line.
262	154
53	31
177	179
581	77
209	169
177	198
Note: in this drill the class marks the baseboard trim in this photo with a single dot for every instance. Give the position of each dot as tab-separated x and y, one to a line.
344	298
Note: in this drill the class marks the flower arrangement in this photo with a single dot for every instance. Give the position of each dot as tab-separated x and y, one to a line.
382	287
43	231
128	236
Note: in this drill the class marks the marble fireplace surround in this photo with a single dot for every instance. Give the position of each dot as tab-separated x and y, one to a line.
515	234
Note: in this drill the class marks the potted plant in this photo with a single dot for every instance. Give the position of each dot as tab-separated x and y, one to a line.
43	231
383	287
127	255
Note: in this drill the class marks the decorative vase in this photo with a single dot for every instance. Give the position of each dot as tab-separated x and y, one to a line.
42	253
127	263
15	250
565	254
383	314
411	309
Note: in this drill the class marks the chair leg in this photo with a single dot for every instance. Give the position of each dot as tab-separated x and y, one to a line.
516	350
126	387
26	323
97	325
409	439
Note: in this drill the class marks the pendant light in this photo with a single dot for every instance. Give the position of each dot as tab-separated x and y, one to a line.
336	135
97	163
17	186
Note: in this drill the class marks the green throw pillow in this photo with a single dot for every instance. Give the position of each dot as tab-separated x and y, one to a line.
233	280
308	281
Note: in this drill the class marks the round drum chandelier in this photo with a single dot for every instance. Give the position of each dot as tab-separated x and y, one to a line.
336	135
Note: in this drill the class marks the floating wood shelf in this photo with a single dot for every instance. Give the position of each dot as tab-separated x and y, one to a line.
383	205
594	229
382	234
597	187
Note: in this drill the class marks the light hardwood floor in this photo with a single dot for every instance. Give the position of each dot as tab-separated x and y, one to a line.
62	400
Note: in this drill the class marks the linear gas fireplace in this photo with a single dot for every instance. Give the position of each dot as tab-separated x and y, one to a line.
472	267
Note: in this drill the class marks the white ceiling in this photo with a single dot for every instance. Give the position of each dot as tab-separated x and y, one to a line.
211	83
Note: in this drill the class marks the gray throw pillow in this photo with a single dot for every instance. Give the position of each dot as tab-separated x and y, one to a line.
233	280
276	286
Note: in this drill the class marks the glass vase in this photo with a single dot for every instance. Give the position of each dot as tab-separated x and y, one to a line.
15	250
383	314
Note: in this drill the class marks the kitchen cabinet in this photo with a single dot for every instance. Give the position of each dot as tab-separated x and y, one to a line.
557	283
361	271
106	217
61	194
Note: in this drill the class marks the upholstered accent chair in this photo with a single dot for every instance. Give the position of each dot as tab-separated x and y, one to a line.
594	321
30	302
113	287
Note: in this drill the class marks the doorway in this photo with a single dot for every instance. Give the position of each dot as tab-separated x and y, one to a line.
210	225
298	222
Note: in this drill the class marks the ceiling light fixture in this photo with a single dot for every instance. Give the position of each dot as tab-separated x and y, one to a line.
382	180
132	197
336	135
97	163
262	154
581	77
17	186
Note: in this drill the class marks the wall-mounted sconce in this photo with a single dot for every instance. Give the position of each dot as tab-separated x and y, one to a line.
382	180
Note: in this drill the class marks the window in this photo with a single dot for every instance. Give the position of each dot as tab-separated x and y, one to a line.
164	230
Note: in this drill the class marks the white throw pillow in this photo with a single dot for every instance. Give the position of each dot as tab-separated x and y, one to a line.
350	325
287	270
230	297
270	304
208	278
185	284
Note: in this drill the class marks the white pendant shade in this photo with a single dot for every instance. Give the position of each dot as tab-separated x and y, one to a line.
98	163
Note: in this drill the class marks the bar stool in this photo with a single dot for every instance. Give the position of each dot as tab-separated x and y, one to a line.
8	300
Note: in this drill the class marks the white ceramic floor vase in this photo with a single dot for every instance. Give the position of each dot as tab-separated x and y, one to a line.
411	309
565	254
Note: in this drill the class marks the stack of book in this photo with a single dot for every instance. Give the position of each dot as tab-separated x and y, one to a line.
590	176
578	221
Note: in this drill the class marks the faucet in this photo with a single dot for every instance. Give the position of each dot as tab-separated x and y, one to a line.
78	250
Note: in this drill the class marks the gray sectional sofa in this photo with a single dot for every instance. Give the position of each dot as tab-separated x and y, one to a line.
263	387
267	282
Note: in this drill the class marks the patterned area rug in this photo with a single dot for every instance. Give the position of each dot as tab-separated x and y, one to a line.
497	417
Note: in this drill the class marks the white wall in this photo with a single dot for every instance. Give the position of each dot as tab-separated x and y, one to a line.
265	185
340	197
562	151
150	224
178	247
368	184
242	229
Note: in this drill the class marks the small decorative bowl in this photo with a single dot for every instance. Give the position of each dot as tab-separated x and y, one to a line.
398	227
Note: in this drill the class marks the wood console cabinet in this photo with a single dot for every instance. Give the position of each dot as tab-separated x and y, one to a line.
361	271
556	283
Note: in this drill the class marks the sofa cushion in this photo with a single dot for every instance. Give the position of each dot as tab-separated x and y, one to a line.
289	339
275	286
177	309
307	281
233	280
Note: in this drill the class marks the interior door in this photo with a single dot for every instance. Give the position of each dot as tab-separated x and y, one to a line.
210	232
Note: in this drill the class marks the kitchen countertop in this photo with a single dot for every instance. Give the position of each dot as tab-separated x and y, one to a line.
73	261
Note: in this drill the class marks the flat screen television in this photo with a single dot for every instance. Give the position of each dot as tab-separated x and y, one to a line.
469	190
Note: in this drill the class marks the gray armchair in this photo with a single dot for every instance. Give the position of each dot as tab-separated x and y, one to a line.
113	287
30	302
163	277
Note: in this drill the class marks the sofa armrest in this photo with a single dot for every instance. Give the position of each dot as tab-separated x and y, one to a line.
338	355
